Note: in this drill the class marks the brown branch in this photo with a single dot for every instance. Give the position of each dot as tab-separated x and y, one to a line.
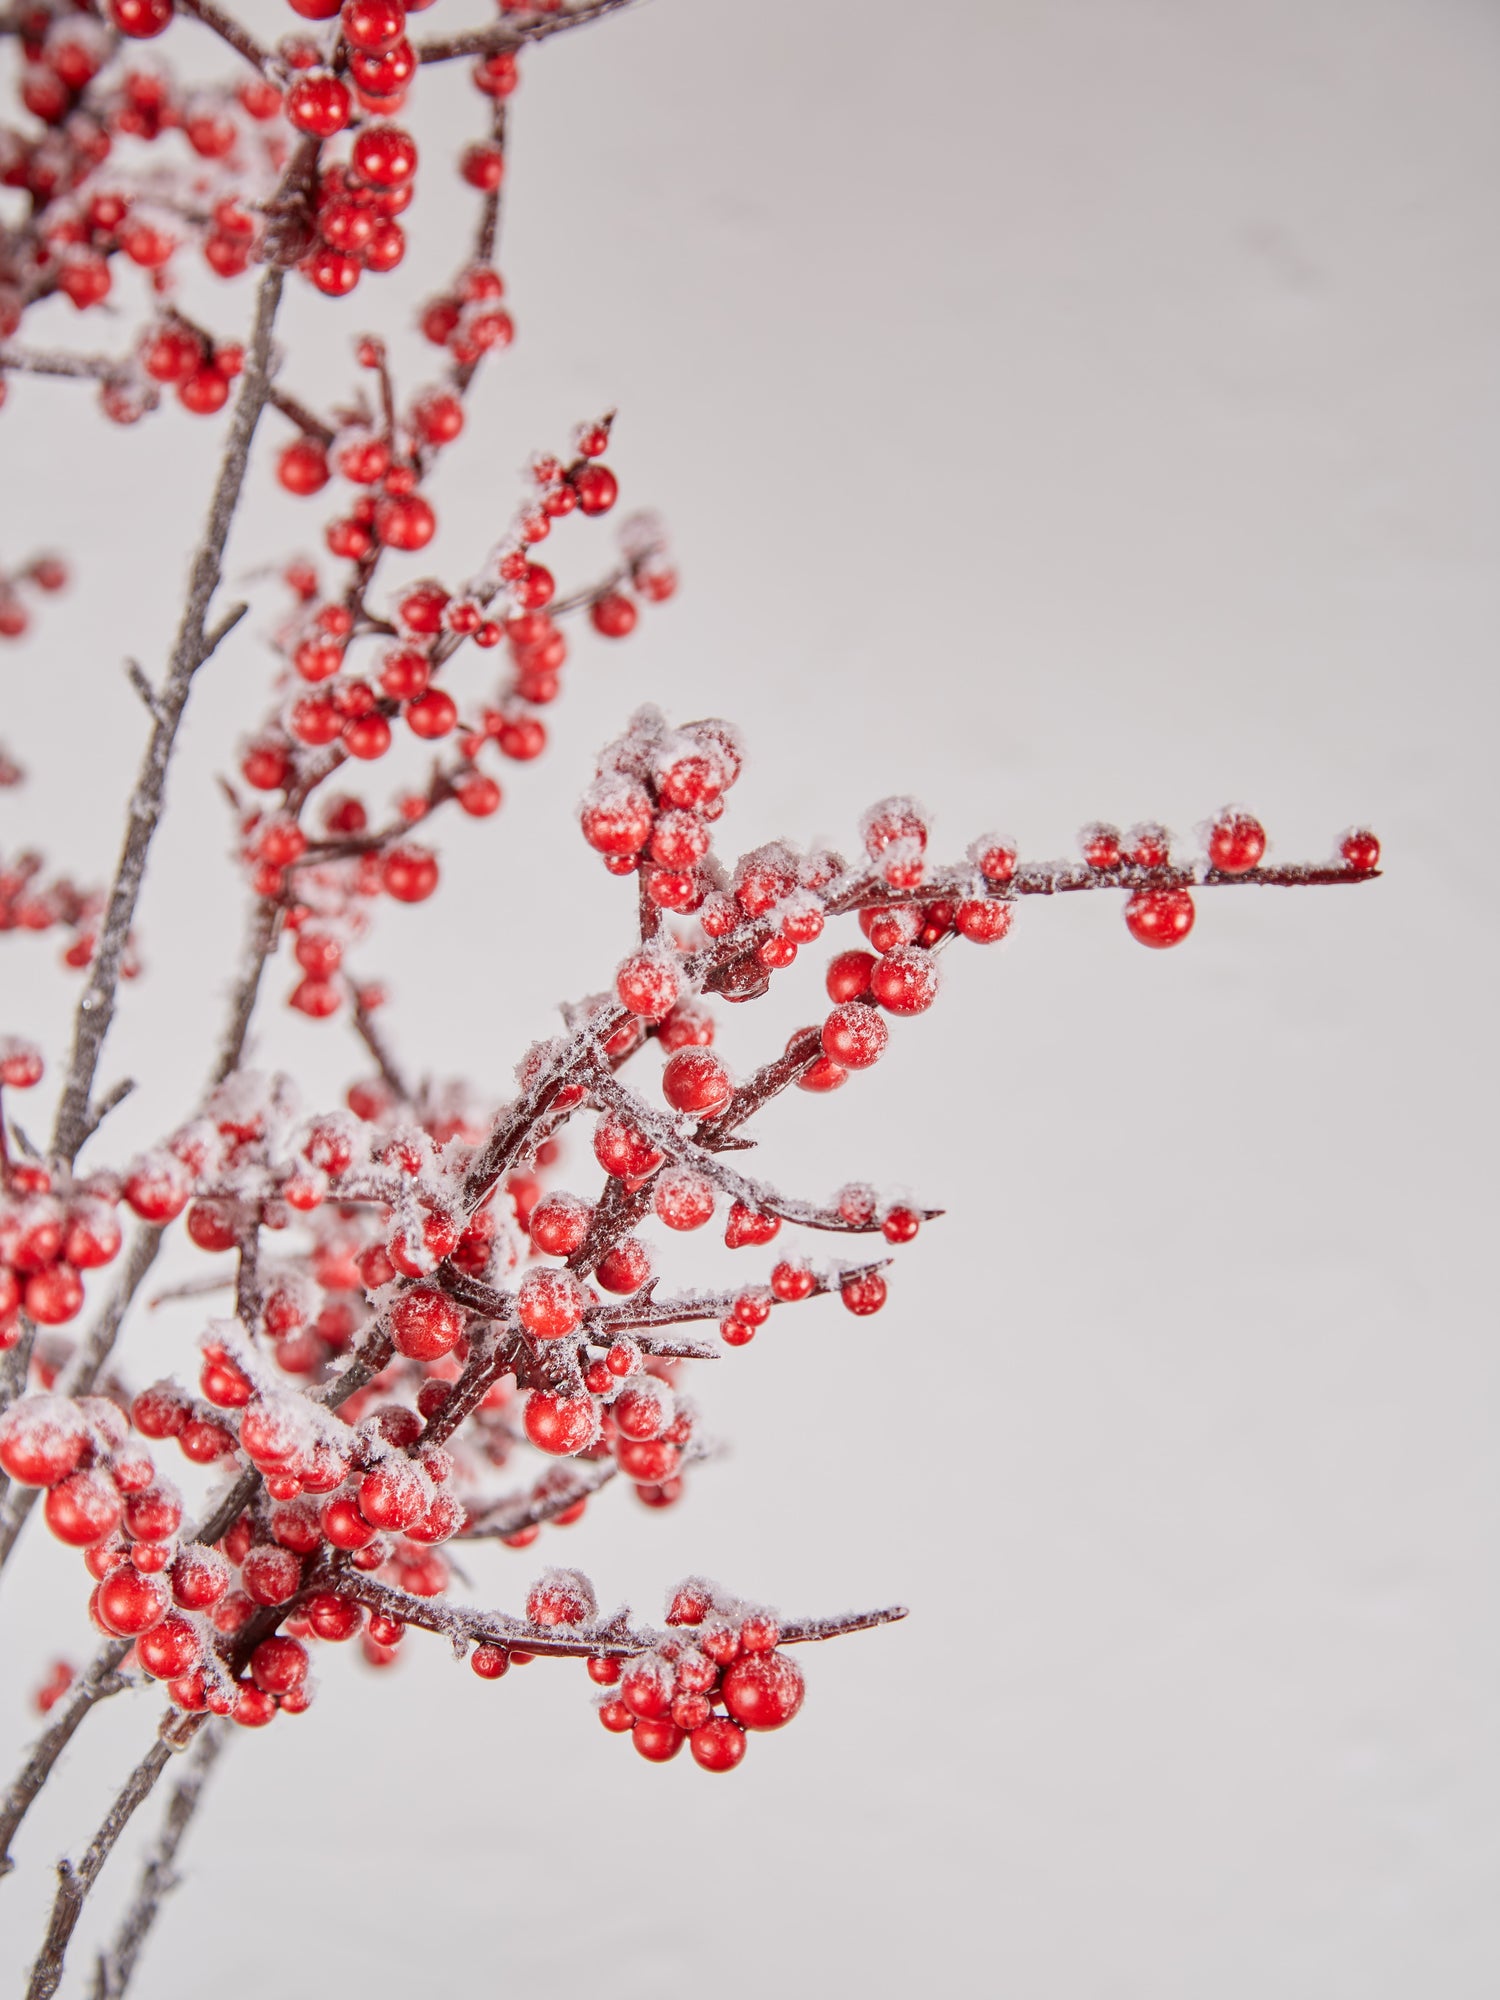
265	924
96	1007
101	1680
375	1042
116	1965
228	30
667	1137
518	1511
74	1884
617	1637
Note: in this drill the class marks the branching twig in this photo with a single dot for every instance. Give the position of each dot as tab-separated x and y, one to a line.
193	645
73	1884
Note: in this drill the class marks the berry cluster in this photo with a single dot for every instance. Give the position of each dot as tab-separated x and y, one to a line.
52	1227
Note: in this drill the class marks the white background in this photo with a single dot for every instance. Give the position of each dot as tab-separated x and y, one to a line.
1062	411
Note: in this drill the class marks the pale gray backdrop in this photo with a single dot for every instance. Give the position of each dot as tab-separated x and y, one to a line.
1061	410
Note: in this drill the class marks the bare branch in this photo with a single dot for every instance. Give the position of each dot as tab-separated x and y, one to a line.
96	1007
74	1884
158	1878
102	1679
227	29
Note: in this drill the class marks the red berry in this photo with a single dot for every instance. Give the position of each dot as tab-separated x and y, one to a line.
406	523
863	1294
1236	842
385	156
613	615
748	1227
626	1267
904	981
854	1036
561	1597
648	985
558	1423
848	975
696	1081
763	1690
279	1665
425	1323
982	922
1101	846
559	1223
432	714
130	1603
717	1745
1159	917
303	469
1360	850
141	19
270	1574
82	1509
373	26
683	1199
658	1742
169	1649
318	105
55	1296
410	874
42	1440
550	1304
490	1662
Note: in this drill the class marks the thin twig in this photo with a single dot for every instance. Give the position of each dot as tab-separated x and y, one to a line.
159	1877
227	29
101	1680
73	1884
96	1007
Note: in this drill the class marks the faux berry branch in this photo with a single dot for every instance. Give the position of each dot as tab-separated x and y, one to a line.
410	1303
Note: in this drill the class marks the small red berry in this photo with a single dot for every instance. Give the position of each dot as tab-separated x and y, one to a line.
1236	842
1159	917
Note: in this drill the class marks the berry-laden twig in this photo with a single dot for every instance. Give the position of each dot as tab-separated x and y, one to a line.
415	1307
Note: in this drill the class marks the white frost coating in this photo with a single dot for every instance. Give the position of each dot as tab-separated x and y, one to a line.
37	1418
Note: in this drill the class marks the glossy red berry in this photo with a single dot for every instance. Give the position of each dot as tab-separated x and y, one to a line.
1236	842
385	156
279	1665
904	981
169	1649
864	1294
854	1036
318	105
1159	917
1102	846
717	1745
82	1509
763	1690
613	615
558	1423
550	1304
141	19
982	922
130	1603
695	1081
303	467
1360	850
426	1323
